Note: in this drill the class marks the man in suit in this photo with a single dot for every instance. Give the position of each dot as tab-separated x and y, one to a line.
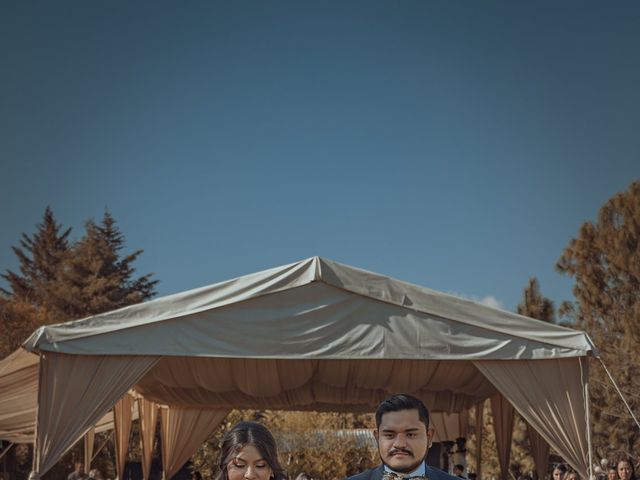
403	437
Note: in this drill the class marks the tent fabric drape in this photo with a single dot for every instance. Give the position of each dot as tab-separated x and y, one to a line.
311	384
19	398
448	426
89	438
539	451
503	422
122	413
75	391
19	394
183	431
148	414
479	427
551	395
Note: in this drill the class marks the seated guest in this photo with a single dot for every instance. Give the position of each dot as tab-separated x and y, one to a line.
458	471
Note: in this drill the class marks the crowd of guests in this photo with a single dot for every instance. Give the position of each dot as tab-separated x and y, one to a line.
80	474
622	470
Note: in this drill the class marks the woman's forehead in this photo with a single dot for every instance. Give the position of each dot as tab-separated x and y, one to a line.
249	451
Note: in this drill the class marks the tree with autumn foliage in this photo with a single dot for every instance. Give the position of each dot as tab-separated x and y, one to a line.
59	280
604	261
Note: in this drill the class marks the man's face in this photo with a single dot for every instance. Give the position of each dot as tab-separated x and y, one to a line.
402	440
612	474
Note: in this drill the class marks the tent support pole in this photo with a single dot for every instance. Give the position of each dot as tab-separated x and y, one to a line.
619	392
585	375
102	446
5	451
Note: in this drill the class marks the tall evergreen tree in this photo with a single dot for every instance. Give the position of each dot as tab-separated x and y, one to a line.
604	260
41	257
96	278
535	305
59	280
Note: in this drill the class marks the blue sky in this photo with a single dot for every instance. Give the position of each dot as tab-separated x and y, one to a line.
457	145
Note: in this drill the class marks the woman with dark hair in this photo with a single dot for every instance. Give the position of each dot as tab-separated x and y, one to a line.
249	452
558	472
626	470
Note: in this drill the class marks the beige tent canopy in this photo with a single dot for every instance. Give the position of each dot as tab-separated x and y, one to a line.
313	335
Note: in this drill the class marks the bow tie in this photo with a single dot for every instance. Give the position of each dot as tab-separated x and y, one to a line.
396	476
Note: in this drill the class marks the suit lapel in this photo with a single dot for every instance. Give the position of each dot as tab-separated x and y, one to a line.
377	473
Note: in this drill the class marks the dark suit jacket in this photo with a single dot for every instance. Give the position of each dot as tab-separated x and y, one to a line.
376	474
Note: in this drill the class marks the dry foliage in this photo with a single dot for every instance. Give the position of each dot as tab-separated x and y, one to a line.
308	442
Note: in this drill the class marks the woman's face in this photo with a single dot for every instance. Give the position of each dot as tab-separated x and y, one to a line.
557	474
248	464
624	470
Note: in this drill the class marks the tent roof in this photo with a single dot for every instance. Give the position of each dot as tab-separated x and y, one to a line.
314	309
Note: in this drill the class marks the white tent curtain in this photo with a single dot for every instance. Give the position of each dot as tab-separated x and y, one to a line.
122	413
183	431
448	426
539	451
89	438
552	396
75	391
19	398
479	428
464	423
148	414
503	422
18	394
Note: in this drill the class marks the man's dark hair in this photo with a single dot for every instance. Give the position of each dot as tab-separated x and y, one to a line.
399	402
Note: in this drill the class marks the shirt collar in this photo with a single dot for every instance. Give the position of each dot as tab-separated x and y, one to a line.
418	472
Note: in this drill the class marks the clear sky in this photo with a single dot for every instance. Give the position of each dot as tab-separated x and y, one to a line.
458	145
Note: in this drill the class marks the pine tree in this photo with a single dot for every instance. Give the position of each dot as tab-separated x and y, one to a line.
59	280
604	260
96	279
18	320
534	305
41	257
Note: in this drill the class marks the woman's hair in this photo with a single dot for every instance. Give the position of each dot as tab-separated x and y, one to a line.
249	433
560	467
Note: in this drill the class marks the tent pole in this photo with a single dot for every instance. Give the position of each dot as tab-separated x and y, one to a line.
6	450
619	392
102	446
585	377
479	429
